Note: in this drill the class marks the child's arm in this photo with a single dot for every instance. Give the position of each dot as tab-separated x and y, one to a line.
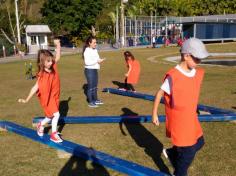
33	90
157	100
130	68
58	50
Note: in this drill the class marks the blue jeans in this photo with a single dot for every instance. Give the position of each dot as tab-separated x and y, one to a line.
182	157
92	81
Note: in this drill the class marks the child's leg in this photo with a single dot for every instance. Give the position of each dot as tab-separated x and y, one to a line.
40	126
55	121
172	155
45	121
131	87
185	156
55	136
126	84
200	143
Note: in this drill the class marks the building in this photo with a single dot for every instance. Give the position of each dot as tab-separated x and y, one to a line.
208	28
36	37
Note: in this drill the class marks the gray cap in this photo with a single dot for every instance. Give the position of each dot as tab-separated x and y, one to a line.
194	47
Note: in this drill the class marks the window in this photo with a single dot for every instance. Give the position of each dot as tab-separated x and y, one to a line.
41	40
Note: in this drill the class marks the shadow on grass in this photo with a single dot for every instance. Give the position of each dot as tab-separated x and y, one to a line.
143	138
119	84
63	109
77	166
85	88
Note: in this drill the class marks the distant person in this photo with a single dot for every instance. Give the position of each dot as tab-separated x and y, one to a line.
153	41
92	63
47	88
181	89
132	76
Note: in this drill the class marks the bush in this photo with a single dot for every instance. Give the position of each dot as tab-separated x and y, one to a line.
9	49
21	47
77	41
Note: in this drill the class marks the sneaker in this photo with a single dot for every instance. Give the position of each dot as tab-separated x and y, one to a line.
92	105
40	129
122	89
55	137
165	153
98	102
168	153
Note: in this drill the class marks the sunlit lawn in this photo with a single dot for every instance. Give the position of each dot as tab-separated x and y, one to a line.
140	143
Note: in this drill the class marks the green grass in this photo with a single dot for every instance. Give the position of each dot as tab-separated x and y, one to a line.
140	143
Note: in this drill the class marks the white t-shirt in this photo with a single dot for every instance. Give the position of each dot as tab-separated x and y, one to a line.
91	58
166	86
153	39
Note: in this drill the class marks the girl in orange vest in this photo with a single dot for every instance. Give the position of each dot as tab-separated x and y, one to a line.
181	88
132	76
47	89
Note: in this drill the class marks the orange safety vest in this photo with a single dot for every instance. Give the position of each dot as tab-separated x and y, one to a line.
133	77
49	91
182	124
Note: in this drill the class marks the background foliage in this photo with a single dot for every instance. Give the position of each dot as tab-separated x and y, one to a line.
74	18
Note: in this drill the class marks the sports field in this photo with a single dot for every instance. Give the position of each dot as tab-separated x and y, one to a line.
140	143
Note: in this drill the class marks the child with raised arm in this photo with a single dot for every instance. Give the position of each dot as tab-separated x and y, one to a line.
181	89
47	88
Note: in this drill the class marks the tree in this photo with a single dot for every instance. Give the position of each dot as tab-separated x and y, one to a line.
28	13
70	16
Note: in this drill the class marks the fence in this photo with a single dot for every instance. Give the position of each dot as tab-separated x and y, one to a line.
145	30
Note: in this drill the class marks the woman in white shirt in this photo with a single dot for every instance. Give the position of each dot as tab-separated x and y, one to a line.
92	64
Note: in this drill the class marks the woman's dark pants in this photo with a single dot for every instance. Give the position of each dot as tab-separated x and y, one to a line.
92	81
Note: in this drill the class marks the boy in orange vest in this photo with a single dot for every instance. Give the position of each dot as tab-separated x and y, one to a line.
181	88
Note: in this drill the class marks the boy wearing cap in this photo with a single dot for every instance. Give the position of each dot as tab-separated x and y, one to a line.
181	88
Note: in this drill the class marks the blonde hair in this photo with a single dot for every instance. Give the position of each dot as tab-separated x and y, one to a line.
42	56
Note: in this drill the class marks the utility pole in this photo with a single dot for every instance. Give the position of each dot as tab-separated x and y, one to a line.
122	24
117	25
17	23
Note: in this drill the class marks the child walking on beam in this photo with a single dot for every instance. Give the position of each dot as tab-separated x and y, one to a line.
47	88
181	89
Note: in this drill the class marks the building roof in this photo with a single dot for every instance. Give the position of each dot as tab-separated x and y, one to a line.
37	29
228	18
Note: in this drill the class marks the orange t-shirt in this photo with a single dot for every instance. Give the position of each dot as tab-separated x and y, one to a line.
135	71
49	91
182	124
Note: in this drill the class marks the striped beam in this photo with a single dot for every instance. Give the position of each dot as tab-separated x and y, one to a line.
212	110
133	119
86	153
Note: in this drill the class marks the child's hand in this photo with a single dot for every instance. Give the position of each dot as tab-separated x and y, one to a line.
22	100
155	120
126	74
56	42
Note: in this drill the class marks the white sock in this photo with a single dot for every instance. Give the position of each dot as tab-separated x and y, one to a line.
55	121
45	121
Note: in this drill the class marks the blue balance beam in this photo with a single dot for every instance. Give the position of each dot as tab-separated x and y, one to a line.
86	153
133	119
212	110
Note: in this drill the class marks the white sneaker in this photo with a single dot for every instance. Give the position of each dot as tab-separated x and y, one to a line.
40	129
164	153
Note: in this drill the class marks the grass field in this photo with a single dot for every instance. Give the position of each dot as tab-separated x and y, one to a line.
140	143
